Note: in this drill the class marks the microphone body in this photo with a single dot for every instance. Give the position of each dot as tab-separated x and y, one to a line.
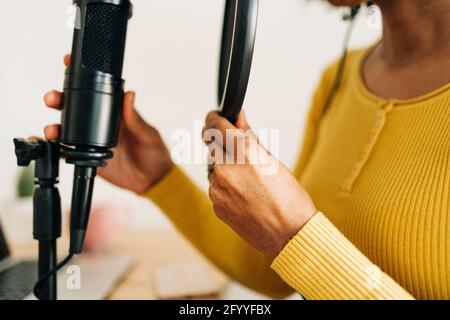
93	87
92	100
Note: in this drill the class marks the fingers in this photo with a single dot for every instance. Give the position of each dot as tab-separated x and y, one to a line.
216	155
219	129
216	186
67	60
53	99
133	121
215	121
34	139
52	132
241	122
130	116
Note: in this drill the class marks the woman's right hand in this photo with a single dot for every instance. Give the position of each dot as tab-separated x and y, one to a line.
141	158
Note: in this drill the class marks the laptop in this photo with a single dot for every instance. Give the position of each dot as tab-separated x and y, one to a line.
98	275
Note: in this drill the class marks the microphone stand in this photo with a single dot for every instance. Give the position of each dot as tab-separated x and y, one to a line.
47	202
46	206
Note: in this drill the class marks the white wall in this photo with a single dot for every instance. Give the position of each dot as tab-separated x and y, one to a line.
171	62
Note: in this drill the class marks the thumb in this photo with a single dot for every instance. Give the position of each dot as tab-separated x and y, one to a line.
241	122
132	120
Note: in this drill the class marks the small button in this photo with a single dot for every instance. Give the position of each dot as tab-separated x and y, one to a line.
387	106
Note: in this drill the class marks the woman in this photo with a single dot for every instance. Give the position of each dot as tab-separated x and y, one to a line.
370	219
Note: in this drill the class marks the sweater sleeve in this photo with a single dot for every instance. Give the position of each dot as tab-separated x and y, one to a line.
320	262
191	211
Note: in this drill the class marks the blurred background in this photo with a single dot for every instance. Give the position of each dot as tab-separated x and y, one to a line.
171	62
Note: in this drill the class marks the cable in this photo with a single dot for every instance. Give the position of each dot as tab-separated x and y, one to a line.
340	73
37	286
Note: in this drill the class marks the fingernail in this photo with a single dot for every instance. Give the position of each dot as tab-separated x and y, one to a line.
33	139
50	95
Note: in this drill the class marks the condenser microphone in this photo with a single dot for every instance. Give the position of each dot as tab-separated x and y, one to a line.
92	100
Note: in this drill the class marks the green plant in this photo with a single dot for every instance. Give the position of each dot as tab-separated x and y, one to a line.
25	182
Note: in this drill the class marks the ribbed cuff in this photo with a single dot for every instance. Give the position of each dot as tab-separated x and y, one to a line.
180	199
320	263
167	185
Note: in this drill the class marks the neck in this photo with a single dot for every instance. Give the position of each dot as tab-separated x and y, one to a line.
414	29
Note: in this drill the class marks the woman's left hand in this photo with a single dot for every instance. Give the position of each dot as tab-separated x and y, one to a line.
260	200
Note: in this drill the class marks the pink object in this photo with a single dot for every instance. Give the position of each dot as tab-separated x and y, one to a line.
103	225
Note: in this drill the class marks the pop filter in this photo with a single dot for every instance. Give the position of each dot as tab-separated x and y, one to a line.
238	42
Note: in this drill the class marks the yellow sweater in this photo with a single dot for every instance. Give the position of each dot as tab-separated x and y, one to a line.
379	171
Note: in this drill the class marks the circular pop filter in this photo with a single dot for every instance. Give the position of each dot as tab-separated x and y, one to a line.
238	42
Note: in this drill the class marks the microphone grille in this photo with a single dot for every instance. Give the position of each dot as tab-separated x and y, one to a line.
104	38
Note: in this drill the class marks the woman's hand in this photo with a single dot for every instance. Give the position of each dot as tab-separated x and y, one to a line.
266	208
140	160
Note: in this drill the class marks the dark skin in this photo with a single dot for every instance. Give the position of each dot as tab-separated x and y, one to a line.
412	59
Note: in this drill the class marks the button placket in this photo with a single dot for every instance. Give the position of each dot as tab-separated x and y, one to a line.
378	126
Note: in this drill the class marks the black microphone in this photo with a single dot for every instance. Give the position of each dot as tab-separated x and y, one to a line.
92	100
